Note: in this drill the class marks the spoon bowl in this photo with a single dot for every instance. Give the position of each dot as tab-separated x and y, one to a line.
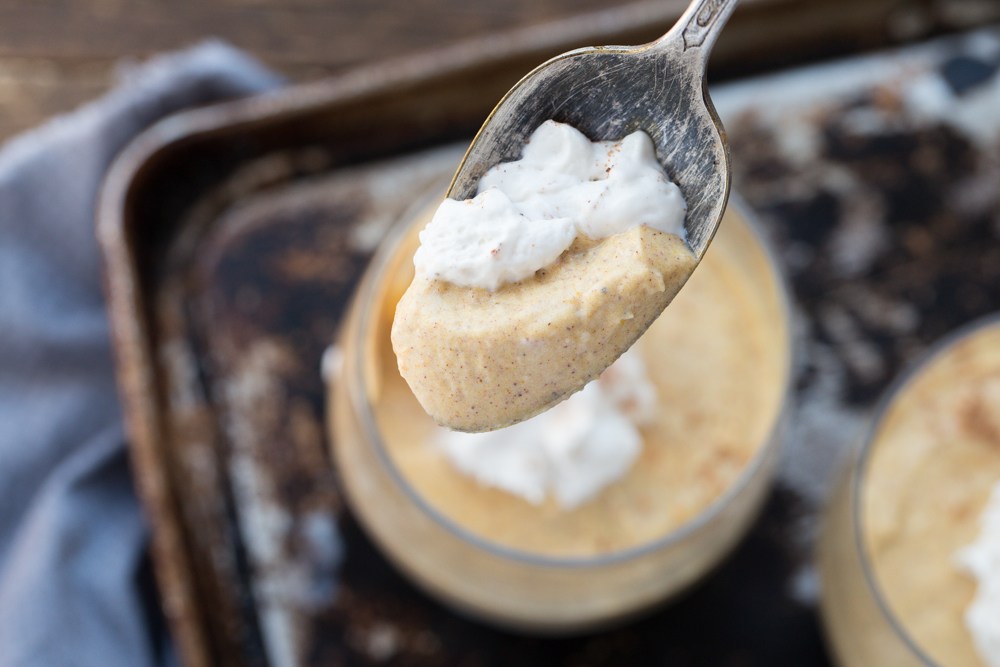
610	91
480	360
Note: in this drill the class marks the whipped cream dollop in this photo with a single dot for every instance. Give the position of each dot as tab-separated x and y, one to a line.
981	559
571	451
527	213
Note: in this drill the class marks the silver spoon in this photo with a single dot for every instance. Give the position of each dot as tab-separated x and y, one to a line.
609	91
492	379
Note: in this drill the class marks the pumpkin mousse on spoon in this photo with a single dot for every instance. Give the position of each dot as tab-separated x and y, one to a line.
527	291
559	244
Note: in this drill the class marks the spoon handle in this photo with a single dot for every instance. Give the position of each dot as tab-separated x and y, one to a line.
700	26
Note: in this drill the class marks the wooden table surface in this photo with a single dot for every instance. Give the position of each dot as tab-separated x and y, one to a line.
56	54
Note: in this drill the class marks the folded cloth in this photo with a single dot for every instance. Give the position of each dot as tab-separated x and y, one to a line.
72	537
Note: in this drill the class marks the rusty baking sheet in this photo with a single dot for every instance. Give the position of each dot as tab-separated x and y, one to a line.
234	235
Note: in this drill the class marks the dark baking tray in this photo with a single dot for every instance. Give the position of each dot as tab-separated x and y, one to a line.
234	235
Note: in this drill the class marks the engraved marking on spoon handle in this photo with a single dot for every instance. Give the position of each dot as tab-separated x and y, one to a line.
706	22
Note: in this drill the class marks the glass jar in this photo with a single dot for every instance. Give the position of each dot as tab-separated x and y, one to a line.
497	583
861	625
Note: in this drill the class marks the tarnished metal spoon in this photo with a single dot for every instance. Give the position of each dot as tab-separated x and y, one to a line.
609	91
513	369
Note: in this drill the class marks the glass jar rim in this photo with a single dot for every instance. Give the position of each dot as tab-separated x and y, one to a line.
362	408
863	454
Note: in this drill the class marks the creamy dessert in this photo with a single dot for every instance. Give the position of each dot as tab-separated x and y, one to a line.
981	560
528	291
619	498
640	452
568	453
933	467
910	551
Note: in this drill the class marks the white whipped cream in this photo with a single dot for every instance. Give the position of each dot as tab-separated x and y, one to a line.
981	559
527	212
570	452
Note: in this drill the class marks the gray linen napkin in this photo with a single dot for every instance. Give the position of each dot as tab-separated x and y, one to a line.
72	537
